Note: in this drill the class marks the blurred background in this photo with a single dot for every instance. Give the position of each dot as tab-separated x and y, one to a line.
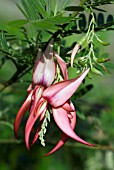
96	122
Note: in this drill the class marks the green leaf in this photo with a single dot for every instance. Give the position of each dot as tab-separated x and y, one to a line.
40	8
43	2
48	7
30	13
108	24
34	8
31	32
65	3
23	12
15	31
18	23
45	25
99	9
3	26
105	26
59	19
74	8
56	7
102	2
3	41
80	115
72	73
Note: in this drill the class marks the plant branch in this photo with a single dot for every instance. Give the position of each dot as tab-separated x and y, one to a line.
68	144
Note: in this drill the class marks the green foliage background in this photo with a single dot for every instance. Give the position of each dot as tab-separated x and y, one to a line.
96	123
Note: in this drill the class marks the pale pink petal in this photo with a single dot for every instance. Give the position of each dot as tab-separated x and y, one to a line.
64	137
49	72
50	69
62	65
74	51
39	55
61	119
24	108
44	71
59	93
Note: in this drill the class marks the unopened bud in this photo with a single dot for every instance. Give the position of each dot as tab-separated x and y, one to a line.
103	60
105	43
96	71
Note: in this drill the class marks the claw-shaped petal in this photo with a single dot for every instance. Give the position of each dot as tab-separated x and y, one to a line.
62	65
32	119
59	93
24	108
61	119
64	137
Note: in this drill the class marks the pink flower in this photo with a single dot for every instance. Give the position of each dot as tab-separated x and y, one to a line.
56	95
64	114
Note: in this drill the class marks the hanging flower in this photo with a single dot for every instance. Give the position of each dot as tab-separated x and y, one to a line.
44	92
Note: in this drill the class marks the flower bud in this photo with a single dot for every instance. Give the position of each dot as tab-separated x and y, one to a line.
96	71
44	71
102	60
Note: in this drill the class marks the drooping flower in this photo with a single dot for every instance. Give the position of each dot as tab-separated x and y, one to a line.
44	92
63	111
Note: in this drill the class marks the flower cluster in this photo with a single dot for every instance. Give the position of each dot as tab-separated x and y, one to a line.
45	92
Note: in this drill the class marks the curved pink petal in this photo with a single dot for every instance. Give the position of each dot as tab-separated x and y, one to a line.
62	65
61	119
74	51
64	137
31	121
29	88
44	71
35	98
24	108
59	93
66	106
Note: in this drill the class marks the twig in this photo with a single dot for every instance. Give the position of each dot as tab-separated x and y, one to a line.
67	144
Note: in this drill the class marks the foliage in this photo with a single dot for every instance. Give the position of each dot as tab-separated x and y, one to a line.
44	20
